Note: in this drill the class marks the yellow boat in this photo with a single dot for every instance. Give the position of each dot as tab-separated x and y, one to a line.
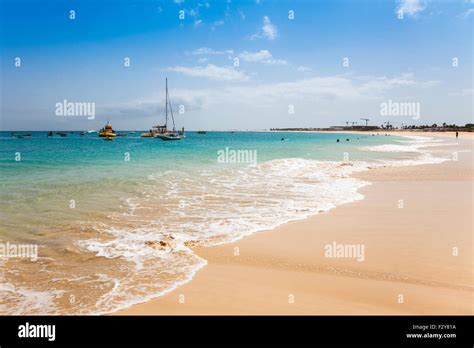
107	131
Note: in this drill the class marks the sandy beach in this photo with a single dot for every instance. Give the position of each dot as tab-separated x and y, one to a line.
445	135
415	224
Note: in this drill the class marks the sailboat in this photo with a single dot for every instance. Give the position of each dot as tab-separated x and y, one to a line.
162	132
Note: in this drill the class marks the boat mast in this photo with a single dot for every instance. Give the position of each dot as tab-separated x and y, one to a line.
169	101
166	103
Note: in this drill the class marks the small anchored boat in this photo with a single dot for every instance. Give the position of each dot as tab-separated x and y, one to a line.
170	136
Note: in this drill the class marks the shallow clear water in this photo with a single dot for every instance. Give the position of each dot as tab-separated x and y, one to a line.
115	220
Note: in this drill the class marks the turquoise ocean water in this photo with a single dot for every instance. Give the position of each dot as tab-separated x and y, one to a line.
114	220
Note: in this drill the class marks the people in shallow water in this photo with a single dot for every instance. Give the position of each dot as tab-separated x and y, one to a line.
337	140
457	134
347	139
282	139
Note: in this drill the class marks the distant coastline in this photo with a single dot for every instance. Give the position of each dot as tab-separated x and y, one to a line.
469	127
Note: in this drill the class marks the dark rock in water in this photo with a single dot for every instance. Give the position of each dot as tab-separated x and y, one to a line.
347	139
157	244
337	140
191	243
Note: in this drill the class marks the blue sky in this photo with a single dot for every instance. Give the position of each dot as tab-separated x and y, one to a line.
281	62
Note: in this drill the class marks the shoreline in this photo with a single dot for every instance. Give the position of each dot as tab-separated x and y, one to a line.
265	264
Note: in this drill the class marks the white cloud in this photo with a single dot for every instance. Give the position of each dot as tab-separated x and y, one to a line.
206	51
192	13
262	56
206	5
467	13
322	88
269	31
463	93
410	7
197	23
378	84
178	1
212	72
302	68
217	24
